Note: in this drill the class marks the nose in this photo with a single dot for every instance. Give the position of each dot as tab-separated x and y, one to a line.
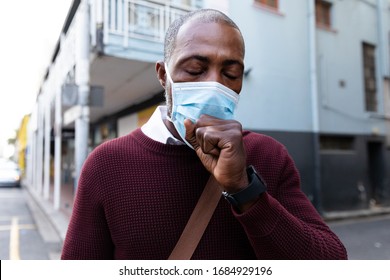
214	75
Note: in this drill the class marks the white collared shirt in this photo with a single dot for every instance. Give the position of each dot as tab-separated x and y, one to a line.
155	128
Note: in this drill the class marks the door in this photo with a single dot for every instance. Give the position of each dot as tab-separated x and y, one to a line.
375	170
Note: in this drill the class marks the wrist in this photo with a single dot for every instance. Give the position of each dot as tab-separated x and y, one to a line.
246	197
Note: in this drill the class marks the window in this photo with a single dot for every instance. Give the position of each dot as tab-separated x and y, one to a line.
336	143
323	14
268	3
369	77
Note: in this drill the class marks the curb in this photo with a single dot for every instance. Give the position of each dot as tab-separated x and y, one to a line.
344	215
58	221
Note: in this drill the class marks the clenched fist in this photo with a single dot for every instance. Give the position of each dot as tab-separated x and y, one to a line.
219	145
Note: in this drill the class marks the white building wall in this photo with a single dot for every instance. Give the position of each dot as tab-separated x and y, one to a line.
127	124
276	93
221	5
340	60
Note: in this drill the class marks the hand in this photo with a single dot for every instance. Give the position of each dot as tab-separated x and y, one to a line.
219	145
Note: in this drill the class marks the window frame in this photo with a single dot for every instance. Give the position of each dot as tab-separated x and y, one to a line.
370	87
323	14
339	144
265	4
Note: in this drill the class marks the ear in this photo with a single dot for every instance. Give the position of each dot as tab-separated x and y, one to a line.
161	74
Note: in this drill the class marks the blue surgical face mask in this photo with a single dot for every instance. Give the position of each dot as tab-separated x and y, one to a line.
190	100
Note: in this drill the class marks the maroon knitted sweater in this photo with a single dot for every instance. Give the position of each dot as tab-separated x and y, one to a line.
135	196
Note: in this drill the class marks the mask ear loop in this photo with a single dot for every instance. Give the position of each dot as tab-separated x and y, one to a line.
167	72
172	95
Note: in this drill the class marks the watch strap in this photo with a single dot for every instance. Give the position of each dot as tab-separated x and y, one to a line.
255	188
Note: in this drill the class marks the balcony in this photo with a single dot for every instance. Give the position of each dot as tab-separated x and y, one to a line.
134	29
127	38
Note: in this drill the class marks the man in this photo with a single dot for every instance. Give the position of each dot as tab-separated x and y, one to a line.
137	192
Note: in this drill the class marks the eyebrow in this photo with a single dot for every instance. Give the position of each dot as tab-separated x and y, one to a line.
201	58
205	59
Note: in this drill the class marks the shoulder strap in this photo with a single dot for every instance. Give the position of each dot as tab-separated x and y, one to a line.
198	221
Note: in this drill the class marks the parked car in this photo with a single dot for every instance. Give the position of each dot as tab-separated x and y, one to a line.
9	174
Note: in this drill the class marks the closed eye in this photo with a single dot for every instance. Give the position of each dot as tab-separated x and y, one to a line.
194	73
232	77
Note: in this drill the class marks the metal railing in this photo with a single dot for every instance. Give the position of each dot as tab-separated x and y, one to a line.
140	19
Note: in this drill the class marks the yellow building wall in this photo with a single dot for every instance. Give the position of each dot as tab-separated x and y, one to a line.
21	142
144	115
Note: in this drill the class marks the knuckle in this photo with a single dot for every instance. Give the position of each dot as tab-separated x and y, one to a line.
238	125
199	131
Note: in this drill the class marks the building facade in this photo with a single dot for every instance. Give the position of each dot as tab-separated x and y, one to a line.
319	82
316	79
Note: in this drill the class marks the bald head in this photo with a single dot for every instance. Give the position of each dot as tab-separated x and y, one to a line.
201	16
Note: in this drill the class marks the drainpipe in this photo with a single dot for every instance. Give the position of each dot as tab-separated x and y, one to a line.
82	81
383	83
383	53
383	64
58	140
46	166
57	147
317	201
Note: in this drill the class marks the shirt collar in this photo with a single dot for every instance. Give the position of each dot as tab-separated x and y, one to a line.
155	128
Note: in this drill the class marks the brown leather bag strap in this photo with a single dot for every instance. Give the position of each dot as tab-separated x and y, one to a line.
198	221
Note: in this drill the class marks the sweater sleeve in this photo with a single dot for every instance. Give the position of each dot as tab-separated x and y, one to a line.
88	236
284	224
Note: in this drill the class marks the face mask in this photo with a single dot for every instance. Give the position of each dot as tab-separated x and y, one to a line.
190	100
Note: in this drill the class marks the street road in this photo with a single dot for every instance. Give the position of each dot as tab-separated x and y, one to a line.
25	233
365	238
20	237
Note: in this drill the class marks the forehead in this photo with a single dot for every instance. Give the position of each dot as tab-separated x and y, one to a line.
209	38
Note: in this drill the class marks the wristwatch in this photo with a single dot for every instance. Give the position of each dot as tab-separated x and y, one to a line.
255	188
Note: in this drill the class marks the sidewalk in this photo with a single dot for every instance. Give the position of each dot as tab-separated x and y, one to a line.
60	218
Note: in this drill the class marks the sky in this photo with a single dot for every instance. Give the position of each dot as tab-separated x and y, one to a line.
29	31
